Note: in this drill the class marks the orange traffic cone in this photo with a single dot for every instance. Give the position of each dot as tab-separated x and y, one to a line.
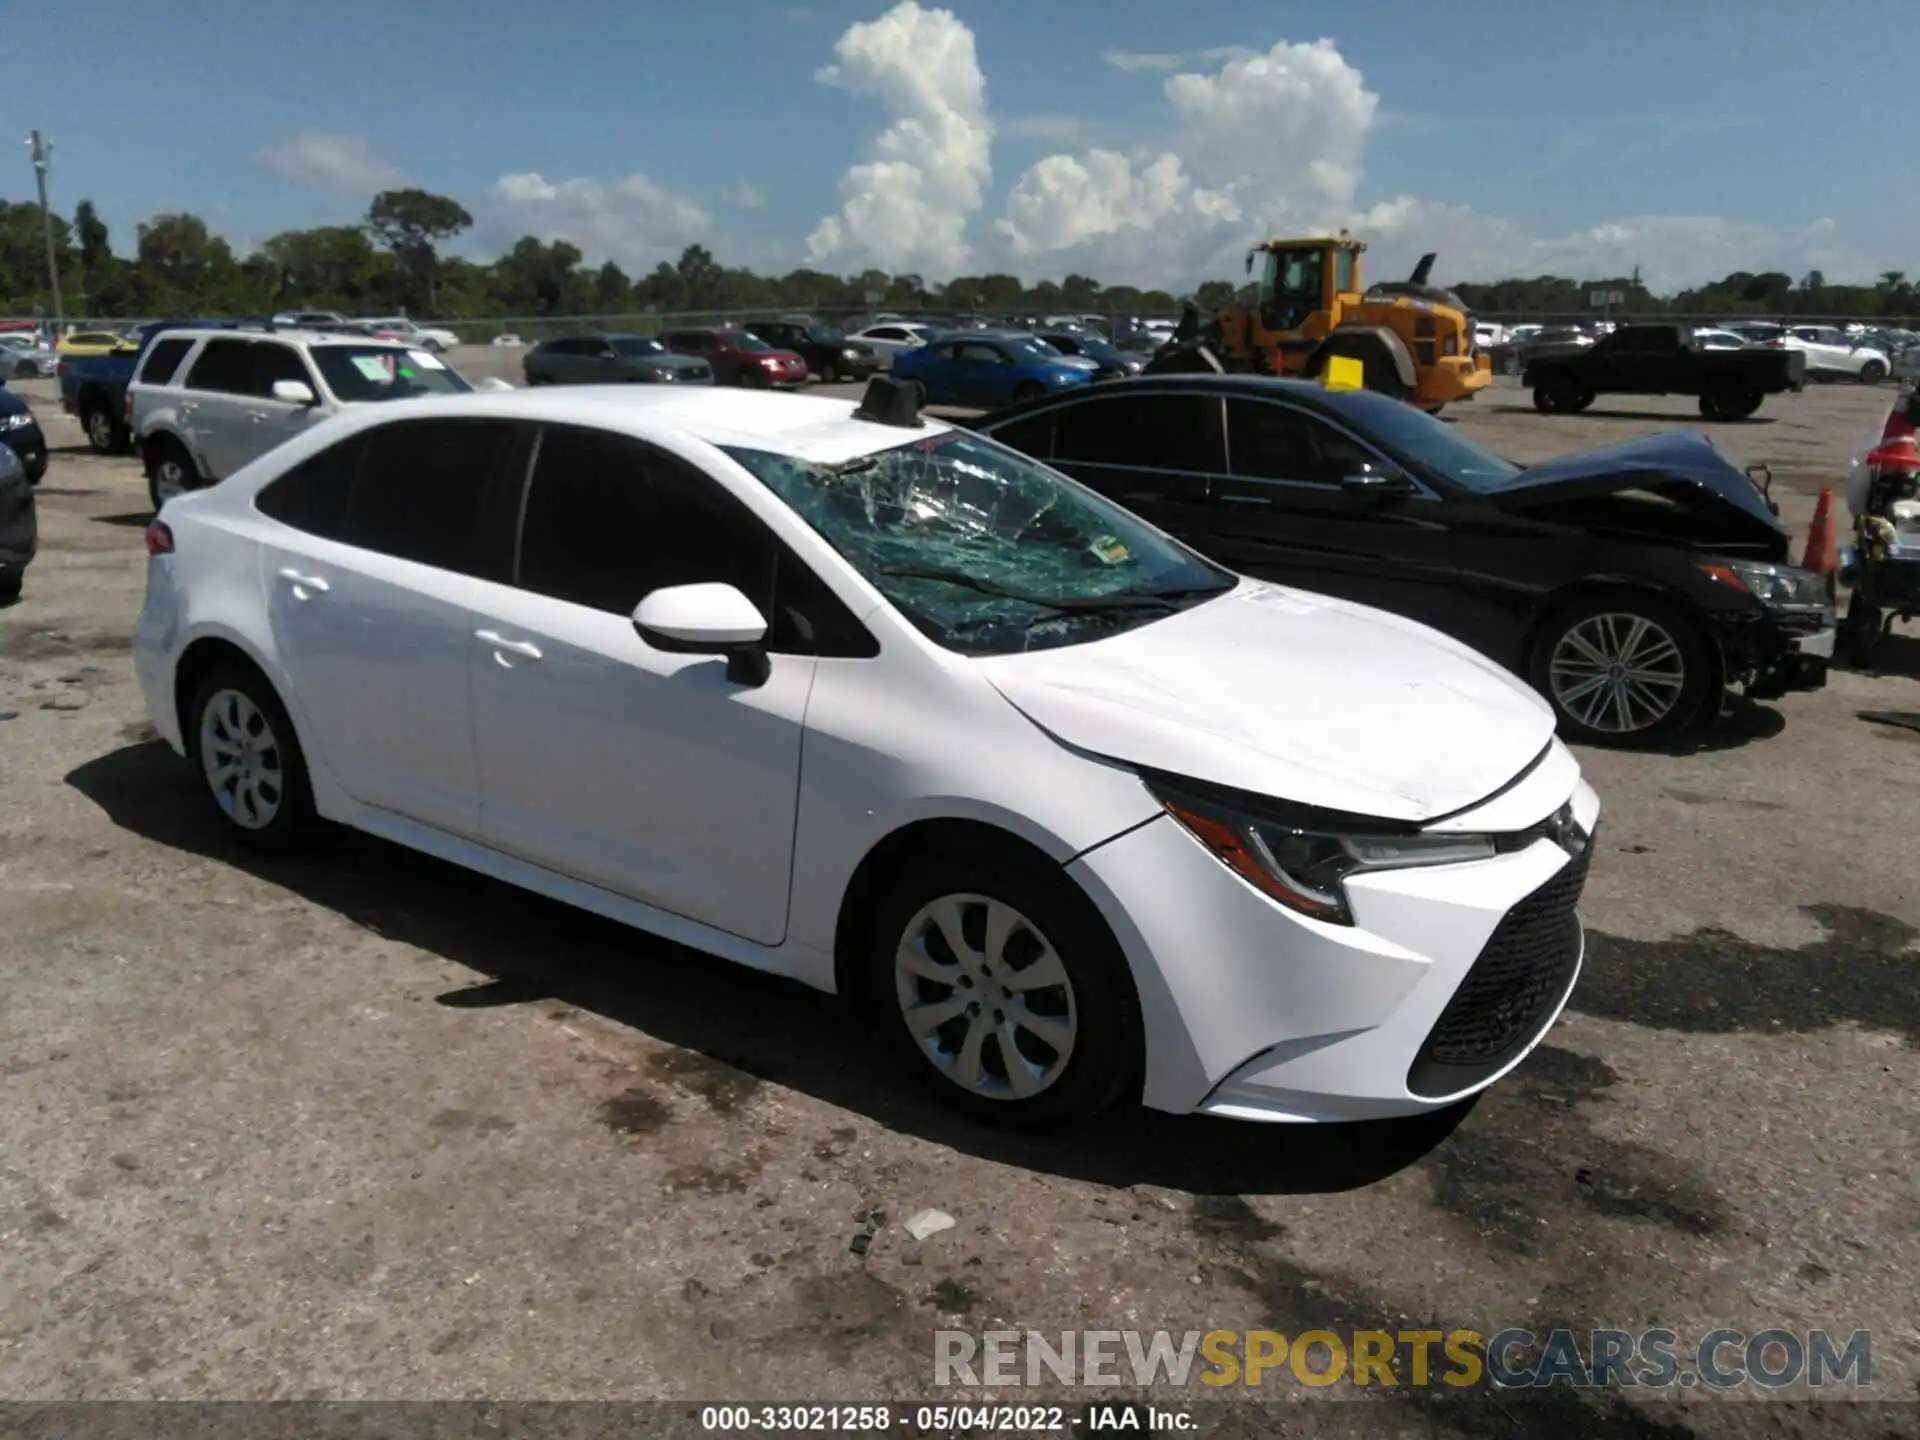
1823	553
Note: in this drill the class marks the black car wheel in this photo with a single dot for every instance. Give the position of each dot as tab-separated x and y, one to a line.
1561	396
1860	631
170	470
10	586
996	982
105	434
1730	402
1621	669
829	373
1872	373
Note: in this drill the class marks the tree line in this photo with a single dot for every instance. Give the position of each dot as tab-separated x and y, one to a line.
391	259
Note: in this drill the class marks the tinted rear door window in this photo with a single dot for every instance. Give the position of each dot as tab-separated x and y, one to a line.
1152	432
1276	442
313	495
163	358
272	363
441	493
223	365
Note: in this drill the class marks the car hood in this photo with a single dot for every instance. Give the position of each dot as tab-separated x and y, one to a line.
1291	695
1673	487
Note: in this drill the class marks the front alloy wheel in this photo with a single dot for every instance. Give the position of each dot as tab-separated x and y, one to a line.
1624	672
996	982
985	996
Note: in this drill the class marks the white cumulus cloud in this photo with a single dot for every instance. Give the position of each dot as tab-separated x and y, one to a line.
906	208
346	163
633	220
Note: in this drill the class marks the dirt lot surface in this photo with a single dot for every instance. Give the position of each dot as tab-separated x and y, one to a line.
364	1125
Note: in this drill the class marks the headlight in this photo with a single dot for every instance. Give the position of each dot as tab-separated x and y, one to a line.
1785	585
1301	858
15	422
849	354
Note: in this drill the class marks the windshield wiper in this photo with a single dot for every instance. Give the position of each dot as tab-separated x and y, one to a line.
1059	604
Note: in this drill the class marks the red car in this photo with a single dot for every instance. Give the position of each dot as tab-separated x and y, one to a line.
739	358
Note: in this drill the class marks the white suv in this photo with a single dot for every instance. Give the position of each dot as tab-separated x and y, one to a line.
206	402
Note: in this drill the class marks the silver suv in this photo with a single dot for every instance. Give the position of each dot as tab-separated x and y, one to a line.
206	402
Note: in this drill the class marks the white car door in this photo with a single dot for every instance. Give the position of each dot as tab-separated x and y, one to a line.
649	774
212	413
383	540
271	421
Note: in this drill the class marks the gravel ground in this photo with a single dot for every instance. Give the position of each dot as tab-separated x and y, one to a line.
364	1125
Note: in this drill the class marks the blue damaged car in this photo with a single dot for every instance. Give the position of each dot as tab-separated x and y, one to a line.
986	370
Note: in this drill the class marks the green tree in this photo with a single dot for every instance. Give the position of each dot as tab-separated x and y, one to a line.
612	290
410	223
182	266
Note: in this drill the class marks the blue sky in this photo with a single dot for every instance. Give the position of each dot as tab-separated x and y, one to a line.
1128	138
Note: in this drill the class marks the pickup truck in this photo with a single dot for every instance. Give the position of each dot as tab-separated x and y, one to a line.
1659	360
93	388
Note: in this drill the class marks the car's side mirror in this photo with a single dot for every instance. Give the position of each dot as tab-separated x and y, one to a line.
708	619
606	352
294	392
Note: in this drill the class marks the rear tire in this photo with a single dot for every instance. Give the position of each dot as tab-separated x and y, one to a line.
105	434
1860	631
242	739
829	374
1622	669
1071	1043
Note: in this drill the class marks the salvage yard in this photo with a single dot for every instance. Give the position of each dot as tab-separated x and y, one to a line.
361	1124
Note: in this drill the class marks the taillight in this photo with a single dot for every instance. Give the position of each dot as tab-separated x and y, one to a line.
159	539
126	410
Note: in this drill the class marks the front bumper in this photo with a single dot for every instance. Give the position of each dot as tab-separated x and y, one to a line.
1772	652
1447	979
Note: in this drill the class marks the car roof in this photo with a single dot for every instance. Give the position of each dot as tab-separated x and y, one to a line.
1307	392
807	427
315	338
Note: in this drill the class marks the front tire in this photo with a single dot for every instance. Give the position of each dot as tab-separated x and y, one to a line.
996	982
829	374
1872	373
250	760
1861	631
1621	669
170	471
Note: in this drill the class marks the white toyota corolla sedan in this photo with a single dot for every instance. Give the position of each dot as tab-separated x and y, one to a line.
860	698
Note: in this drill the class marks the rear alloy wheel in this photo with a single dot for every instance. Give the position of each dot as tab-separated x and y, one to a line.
1872	373
170	471
103	434
1561	397
250	758
829	374
1621	670
1001	987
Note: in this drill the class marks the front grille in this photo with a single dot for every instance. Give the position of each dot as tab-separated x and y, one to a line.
1521	975
698	372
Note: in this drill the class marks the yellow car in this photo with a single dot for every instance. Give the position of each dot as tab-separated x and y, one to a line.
95	342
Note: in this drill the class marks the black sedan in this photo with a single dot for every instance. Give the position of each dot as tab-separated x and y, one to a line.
21	434
611	360
830	355
19	529
1630	585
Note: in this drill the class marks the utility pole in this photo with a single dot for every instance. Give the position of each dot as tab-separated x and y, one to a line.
43	158
42	161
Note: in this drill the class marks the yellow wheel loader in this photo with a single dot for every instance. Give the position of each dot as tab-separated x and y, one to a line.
1414	340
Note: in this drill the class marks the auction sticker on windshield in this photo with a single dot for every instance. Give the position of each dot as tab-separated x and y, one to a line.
379	368
426	361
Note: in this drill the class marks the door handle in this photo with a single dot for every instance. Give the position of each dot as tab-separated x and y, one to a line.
304	582
512	647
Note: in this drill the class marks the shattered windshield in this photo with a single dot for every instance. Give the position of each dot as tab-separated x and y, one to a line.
986	551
